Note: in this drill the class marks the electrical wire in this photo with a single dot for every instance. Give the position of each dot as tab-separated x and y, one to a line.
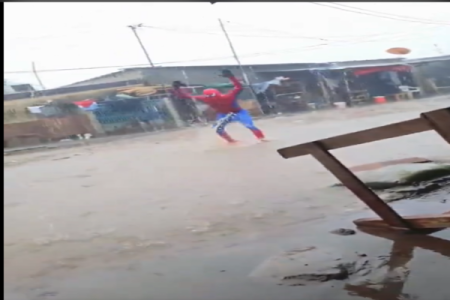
283	51
344	7
389	14
234	34
376	15
184	30
326	38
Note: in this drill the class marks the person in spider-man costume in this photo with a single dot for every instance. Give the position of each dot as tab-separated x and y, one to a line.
226	106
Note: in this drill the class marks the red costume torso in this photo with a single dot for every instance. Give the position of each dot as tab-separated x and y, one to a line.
221	103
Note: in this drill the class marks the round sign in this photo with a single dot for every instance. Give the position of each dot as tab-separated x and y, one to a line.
398	51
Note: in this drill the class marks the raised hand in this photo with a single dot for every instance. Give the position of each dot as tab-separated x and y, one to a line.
227	73
177	84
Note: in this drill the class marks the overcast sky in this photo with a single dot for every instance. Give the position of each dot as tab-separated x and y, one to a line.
84	35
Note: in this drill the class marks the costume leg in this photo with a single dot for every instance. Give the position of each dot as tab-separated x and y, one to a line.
222	121
246	119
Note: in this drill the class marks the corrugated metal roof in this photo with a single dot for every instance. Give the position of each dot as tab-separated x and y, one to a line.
429	59
349	65
289	67
225	66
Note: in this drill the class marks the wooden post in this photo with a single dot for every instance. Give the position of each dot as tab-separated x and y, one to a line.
439	120
357	187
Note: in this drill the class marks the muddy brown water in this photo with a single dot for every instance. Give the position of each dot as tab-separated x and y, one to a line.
399	267
179	216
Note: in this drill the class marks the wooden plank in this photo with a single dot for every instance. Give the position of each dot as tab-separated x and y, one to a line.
439	120
360	137
436	221
357	187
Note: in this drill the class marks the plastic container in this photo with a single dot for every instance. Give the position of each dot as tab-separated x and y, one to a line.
379	99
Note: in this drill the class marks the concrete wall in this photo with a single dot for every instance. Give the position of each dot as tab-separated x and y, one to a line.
37	131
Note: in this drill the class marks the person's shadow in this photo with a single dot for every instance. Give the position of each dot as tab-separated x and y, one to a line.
401	254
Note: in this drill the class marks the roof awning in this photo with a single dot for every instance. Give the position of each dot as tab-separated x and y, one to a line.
366	71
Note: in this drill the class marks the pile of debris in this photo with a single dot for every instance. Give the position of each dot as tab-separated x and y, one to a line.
407	181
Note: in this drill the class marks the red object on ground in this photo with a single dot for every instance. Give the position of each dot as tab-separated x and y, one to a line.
85	103
380	99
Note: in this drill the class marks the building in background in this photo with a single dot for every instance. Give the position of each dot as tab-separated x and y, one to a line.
193	75
200	75
10	87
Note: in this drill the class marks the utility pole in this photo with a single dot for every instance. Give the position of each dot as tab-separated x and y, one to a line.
168	102
133	28
33	67
222	26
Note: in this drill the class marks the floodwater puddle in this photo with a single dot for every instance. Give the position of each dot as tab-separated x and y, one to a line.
304	262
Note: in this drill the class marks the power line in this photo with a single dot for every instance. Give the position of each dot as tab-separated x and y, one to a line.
82	32
234	34
119	66
296	49
184	30
327	38
389	14
375	15
342	7
278	32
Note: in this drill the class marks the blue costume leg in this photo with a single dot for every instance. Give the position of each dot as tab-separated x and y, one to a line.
222	121
246	119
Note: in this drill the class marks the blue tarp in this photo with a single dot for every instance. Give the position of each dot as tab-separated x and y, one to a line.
263	86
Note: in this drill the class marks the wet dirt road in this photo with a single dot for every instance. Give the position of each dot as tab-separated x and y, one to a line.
132	211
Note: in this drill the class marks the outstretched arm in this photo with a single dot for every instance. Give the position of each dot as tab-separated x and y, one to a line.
184	94
237	85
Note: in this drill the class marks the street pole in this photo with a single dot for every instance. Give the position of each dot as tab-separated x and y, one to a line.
33	66
222	26
133	28
244	75
167	101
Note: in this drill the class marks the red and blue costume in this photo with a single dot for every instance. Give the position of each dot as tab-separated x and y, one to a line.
225	105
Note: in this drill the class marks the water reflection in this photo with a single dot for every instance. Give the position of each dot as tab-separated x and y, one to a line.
390	286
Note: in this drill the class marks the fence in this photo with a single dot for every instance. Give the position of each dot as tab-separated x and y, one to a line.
23	127
45	130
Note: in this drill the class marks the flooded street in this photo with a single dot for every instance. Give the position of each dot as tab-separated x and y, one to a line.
182	216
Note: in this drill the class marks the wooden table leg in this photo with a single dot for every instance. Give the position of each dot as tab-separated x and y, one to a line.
439	121
357	187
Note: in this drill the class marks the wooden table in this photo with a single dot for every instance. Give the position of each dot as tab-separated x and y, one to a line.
438	120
